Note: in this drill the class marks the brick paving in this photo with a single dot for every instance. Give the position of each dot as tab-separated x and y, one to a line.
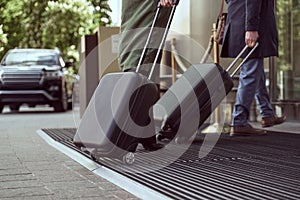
31	169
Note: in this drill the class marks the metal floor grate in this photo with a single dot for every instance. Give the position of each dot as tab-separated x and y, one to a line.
264	167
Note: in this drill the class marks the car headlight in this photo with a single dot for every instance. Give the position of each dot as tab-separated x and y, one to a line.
50	74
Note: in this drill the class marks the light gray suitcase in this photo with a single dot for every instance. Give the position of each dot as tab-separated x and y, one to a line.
118	116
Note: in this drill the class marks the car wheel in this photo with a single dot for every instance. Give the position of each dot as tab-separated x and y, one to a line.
61	105
14	107
31	105
70	102
70	105
1	107
71	96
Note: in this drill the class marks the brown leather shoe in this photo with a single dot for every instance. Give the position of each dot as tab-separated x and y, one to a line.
271	121
247	130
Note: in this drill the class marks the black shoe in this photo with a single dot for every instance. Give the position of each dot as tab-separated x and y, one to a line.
78	144
130	70
153	147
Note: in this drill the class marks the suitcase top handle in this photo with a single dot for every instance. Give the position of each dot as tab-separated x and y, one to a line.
238	57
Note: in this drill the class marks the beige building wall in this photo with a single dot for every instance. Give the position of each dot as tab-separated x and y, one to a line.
192	27
108	47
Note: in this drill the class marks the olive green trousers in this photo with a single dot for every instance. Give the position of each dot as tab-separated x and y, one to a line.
137	17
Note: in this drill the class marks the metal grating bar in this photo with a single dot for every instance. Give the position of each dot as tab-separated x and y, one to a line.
252	168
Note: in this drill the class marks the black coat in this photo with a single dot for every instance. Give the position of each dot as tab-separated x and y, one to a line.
250	15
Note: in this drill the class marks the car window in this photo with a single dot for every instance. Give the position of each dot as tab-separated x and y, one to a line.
30	58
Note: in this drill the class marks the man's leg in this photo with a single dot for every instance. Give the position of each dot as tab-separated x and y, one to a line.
137	18
246	91
269	117
262	95
245	95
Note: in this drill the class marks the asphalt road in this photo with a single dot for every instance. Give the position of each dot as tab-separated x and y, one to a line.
31	119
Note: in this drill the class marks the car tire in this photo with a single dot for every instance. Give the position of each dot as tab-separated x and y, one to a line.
14	107
1	107
70	105
70	97
62	105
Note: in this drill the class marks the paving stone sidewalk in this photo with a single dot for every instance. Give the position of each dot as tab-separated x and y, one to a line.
31	169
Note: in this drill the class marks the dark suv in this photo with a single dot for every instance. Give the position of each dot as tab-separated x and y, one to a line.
34	77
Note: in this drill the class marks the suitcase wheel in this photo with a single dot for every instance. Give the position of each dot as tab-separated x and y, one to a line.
160	137
128	158
93	157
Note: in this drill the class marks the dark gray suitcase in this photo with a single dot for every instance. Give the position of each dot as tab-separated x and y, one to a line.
117	118
193	97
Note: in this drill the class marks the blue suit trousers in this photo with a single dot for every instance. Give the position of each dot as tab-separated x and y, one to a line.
252	85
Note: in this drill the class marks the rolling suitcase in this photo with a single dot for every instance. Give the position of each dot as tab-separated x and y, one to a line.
118	116
193	97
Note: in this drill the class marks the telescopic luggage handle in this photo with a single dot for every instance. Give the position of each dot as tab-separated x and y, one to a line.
238	57
166	31
175	2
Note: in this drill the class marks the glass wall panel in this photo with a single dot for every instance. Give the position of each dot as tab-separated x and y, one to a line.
288	71
296	47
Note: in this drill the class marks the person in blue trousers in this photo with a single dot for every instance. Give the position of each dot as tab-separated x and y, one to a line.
249	22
